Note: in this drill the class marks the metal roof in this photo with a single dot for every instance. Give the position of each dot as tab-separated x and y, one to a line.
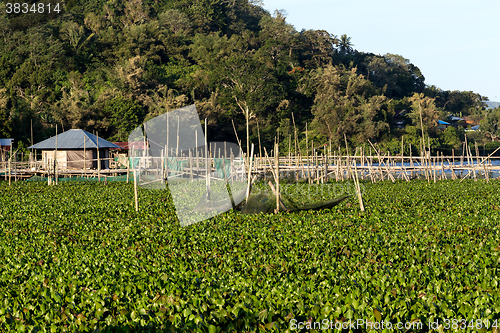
73	139
441	122
6	142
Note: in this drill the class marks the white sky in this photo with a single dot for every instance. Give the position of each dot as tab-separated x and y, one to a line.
455	43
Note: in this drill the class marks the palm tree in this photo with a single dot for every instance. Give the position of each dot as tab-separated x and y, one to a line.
345	45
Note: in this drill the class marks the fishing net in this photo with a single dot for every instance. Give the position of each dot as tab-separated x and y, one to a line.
263	200
204	179
93	178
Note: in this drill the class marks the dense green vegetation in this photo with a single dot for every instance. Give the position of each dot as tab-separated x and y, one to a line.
77	257
108	65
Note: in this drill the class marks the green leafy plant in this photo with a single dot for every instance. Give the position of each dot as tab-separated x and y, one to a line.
77	257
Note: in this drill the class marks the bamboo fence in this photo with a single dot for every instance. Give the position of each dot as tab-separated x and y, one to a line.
309	165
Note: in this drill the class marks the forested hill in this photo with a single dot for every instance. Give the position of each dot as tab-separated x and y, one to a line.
109	65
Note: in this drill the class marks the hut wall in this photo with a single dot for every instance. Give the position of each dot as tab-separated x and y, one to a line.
77	160
48	159
74	159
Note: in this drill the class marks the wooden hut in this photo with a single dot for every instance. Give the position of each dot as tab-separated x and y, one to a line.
5	148
75	149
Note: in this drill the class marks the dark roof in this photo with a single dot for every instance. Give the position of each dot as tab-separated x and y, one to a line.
74	139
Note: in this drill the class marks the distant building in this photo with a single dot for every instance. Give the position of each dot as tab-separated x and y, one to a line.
76	149
120	157
5	148
443	124
398	120
472	129
455	121
469	121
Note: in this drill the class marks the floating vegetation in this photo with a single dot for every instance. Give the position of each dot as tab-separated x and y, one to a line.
78	257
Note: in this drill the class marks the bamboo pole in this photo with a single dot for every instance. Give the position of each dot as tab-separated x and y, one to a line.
477	152
362	162
482	161
388	171
472	165
452	165
378	160
235	133
423	140
299	163
486	173
294	144
162	166
422	159
85	157
340	166
15	167
10	162
277	166
432	169
207	167
249	180
128	169
477	159
325	170
55	162
98	159
462	156
370	170
167	146
336	166
314	162
453	156
402	155
358	189
258	135
348	161
485	167
467	151
329	148
443	170
231	164
136	200
197	155
307	158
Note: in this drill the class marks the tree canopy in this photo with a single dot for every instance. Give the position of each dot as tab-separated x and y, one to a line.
109	65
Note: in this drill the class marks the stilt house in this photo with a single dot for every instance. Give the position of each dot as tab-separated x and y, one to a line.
75	149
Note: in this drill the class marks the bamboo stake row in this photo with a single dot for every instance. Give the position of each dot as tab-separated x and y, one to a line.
312	166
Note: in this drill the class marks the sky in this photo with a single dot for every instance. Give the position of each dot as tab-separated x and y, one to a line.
455	43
